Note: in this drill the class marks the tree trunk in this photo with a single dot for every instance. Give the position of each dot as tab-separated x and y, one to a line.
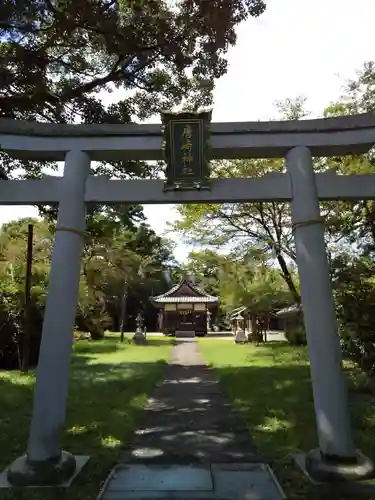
123	314
27	320
371	219
287	277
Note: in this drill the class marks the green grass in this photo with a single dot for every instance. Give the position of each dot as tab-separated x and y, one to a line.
109	384
270	386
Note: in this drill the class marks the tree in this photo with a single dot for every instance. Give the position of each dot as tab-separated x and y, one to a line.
252	284
13	242
114	255
354	222
245	227
206	266
351	226
239	280
123	266
58	59
354	292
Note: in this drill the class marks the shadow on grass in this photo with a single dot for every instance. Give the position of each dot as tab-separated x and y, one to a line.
270	387
106	394
112	344
276	403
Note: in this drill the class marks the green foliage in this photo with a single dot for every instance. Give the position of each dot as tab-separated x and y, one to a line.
116	258
295	334
351	228
354	288
255	286
206	265
122	260
256	336
261	227
110	384
60	60
354	222
279	407
13	243
239	280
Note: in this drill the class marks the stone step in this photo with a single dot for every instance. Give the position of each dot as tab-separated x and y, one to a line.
185	333
210	481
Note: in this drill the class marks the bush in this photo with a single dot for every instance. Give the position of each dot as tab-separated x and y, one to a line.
295	334
255	336
77	335
354	291
90	325
13	328
294	328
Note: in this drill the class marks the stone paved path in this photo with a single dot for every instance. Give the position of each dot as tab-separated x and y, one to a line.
188	419
190	444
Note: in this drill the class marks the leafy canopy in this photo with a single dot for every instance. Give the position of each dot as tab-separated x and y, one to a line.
56	55
111	61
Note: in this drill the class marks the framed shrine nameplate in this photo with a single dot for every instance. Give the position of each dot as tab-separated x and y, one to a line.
186	145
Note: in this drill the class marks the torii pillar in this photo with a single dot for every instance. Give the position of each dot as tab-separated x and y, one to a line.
45	462
336	456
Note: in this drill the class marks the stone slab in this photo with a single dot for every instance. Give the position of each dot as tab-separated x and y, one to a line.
245	481
216	482
81	461
160	495
185	334
145	478
188	419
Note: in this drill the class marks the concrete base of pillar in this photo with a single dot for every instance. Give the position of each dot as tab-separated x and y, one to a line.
53	473
323	469
358	475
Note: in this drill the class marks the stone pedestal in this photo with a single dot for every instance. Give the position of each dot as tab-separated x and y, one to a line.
322	468
139	338
240	337
24	472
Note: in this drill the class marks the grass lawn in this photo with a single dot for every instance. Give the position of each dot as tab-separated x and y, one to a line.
109	384
270	386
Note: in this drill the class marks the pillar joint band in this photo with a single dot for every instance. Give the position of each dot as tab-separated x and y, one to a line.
303	223
71	230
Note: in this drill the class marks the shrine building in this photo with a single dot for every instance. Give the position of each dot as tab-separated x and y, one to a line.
185	310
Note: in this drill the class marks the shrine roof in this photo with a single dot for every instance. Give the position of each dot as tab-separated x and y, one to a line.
294	309
185	291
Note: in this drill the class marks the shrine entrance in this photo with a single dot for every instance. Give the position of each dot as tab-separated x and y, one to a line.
187	141
185	310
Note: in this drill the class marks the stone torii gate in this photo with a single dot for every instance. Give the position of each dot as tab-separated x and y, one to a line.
298	142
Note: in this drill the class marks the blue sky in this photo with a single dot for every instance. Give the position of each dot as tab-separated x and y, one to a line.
296	48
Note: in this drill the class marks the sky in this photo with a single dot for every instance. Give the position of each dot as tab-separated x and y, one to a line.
296	48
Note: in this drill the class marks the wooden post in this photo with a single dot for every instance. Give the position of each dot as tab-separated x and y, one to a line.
123	312
165	321
161	320
27	325
266	327
193	317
